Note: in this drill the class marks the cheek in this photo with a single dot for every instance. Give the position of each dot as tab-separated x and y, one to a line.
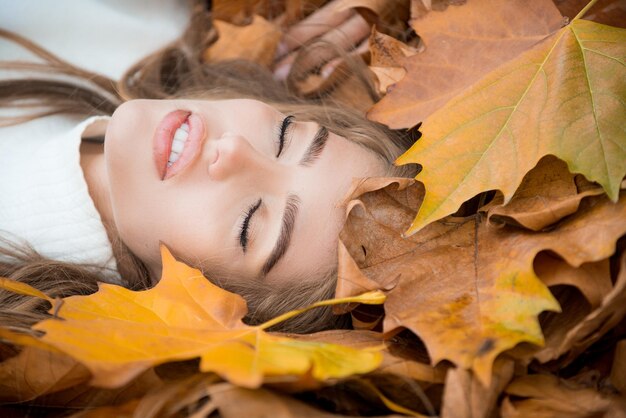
177	218
139	229
132	178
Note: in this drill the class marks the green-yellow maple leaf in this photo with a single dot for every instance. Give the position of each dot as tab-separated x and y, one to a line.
566	96
118	333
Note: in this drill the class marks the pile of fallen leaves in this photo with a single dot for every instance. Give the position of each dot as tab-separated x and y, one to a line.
494	284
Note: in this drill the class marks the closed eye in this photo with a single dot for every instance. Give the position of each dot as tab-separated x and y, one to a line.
245	225
282	134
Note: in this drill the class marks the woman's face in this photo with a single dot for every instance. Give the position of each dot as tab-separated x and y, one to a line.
235	201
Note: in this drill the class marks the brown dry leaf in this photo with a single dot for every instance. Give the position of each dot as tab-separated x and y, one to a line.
466	397
466	289
387	77
547	194
543	197
255	42
35	372
52	379
352	280
550	397
234	402
593	280
595	324
463	43
387	51
387	56
618	371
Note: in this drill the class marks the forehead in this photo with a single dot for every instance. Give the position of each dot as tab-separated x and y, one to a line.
321	189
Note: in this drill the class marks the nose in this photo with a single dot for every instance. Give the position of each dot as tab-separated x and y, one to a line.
235	157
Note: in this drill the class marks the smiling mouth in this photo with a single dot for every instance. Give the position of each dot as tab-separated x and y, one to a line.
177	142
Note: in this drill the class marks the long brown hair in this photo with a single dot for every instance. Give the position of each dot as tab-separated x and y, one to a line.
176	71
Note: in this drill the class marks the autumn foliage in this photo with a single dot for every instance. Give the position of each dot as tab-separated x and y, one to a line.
492	284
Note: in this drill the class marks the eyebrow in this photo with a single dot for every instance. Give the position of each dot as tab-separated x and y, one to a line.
292	205
290	214
315	148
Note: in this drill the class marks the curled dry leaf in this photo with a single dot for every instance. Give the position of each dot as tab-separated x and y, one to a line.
463	44
352	253
255	42
387	56
594	325
549	397
543	198
561	97
389	16
387	77
466	397
118	333
386	51
593	280
546	195
466	289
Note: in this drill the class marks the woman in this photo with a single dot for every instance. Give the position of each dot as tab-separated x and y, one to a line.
234	174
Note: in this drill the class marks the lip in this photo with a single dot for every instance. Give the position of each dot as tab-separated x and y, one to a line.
164	135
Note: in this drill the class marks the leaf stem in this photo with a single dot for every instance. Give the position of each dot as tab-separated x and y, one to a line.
370	298
585	10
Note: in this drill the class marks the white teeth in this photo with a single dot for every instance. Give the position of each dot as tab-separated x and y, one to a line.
180	137
178	145
173	157
181	134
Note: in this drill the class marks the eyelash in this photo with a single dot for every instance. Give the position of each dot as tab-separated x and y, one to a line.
243	229
281	135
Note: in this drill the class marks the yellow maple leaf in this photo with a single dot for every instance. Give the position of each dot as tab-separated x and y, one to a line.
563	97
118	333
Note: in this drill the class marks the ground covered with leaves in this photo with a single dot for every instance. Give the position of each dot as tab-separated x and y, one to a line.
493	284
